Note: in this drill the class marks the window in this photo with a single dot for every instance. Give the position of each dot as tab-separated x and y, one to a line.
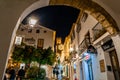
78	27
37	31
87	38
29	30
84	17
45	31
40	43
22	29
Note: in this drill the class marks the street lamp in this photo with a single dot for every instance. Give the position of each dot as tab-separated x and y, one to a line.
71	49
32	22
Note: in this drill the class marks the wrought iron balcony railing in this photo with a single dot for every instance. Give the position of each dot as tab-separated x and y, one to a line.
84	45
98	31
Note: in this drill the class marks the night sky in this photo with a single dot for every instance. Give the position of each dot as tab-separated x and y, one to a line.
58	18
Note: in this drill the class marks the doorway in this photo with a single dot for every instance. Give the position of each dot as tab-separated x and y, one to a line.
81	71
90	70
115	64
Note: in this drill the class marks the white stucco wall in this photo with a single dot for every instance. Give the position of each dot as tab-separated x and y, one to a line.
95	66
78	69
85	26
110	75
101	55
116	42
48	37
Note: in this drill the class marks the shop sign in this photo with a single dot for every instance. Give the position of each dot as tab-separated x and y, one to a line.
102	65
86	56
30	40
109	44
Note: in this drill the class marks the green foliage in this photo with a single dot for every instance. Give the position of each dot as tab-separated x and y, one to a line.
21	54
28	54
42	73
18	54
37	54
34	72
48	56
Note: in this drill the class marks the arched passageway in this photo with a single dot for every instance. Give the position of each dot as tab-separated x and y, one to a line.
12	13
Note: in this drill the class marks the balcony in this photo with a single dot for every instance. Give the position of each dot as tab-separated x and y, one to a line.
98	31
84	45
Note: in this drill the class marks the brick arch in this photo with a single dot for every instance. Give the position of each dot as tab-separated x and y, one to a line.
99	13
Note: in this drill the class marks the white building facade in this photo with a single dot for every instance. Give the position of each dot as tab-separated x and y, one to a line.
98	51
37	36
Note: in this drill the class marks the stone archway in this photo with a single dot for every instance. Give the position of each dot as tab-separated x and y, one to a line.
13	12
95	10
